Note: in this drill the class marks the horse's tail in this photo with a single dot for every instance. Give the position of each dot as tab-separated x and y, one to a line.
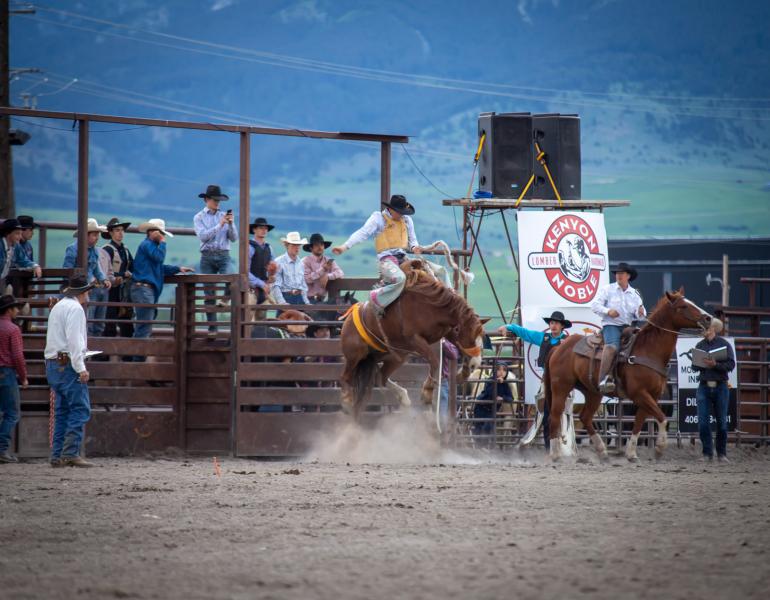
364	376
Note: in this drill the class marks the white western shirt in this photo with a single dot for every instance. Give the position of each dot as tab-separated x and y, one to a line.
67	332
626	302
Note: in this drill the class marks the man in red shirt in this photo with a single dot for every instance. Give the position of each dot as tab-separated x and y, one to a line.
12	366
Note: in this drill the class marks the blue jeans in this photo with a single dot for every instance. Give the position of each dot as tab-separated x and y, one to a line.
72	409
143	295
611	334
97	312
9	406
215	263
713	401
443	402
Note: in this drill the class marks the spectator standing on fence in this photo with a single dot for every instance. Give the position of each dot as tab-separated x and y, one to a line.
148	274
712	395
65	368
319	268
95	274
261	265
290	286
24	260
546	342
215	229
11	233
122	263
13	370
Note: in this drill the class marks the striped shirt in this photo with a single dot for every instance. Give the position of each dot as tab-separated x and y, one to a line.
214	236
290	276
12	347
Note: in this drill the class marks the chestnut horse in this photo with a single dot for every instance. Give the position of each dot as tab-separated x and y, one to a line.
425	312
654	343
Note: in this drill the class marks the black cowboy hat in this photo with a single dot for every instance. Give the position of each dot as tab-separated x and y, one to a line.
9	225
76	285
111	224
8	301
258	222
213	191
400	205
316	238
626	268
27	222
557	315
311	329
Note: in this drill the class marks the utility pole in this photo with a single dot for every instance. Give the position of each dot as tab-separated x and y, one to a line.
7	201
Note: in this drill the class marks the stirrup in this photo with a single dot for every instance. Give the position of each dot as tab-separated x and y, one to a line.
607	386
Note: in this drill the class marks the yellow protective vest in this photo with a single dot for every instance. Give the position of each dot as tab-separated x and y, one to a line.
393	236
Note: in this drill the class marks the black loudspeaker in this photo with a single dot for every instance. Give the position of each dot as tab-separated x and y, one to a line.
559	137
506	160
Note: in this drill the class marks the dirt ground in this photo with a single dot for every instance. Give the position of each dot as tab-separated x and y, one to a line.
449	525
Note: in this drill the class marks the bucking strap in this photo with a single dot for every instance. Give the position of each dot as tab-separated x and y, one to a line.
355	312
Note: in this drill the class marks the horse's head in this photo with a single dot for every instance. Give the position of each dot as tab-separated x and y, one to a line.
684	313
469	337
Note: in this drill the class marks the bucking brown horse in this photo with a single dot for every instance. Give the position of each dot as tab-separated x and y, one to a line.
425	312
642	378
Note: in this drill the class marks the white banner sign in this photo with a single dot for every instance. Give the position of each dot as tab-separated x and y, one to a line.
563	258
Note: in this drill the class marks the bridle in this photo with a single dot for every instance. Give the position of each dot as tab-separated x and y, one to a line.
676	333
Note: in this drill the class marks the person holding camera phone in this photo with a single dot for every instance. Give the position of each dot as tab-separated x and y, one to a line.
215	229
319	268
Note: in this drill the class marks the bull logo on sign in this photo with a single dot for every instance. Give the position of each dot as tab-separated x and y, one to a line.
570	259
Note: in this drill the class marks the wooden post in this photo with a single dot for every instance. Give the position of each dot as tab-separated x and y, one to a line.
82	258
385	172
42	234
245	185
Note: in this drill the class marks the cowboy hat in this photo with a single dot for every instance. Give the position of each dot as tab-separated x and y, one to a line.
76	285
8	301
111	224
93	226
260	222
557	315
158	224
316	238
293	238
9	225
400	205
27	222
213	192
626	268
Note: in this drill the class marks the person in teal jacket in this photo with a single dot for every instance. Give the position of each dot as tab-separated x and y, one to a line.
546	341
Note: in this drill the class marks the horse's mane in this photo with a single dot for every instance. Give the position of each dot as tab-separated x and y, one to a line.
438	295
664	302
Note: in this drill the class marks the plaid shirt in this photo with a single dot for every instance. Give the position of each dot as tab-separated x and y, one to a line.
12	347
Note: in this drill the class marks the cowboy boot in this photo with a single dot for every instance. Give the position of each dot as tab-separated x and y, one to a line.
606	381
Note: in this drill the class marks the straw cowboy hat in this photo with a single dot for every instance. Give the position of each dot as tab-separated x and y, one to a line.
399	204
316	238
557	315
293	238
77	285
158	224
626	268
92	227
111	224
214	192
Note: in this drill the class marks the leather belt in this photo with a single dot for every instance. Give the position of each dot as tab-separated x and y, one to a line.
143	284
292	292
712	384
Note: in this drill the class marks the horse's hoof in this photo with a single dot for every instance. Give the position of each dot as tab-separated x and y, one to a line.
633	459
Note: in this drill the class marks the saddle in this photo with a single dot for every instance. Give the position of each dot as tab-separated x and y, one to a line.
591	347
